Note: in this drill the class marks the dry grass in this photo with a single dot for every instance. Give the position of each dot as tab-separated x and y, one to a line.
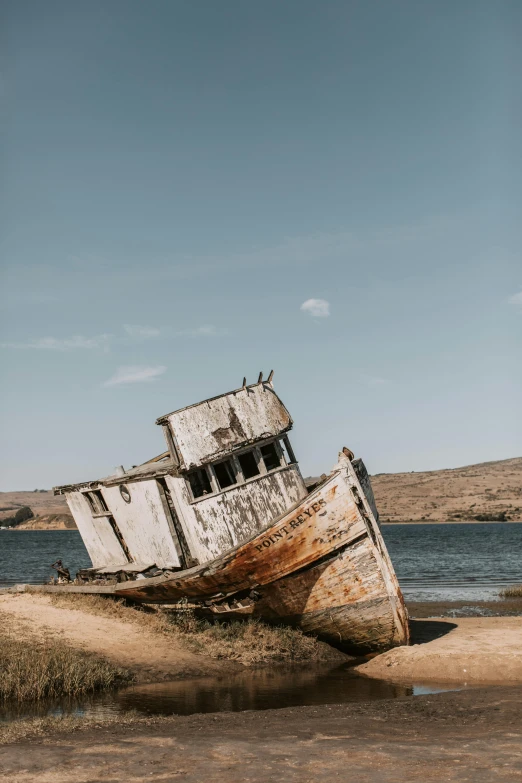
32	669
512	592
248	642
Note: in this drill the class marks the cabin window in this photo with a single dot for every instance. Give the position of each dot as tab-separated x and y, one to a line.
90	500
248	464
199	482
96	501
225	473
101	500
270	456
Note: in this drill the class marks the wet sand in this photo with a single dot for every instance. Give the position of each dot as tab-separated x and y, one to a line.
504	607
474	734
471	735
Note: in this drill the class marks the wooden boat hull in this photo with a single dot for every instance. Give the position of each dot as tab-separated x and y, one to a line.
322	566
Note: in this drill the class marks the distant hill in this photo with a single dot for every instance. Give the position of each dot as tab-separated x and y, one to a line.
50	512
489	489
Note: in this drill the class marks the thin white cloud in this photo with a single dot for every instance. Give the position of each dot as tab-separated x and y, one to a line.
77	342
135	374
319	308
373	380
133	330
206	330
516	299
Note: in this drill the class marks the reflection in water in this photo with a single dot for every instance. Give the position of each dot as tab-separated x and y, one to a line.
259	690
262	689
249	690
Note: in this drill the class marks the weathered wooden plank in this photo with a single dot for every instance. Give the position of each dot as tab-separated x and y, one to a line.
322	566
215	427
218	523
324	521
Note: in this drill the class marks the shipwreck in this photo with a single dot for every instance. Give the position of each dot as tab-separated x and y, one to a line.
223	522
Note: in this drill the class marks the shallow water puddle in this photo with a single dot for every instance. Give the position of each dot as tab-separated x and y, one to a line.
261	689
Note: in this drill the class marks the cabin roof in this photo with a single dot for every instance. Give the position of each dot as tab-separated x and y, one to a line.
163	419
154	468
215	427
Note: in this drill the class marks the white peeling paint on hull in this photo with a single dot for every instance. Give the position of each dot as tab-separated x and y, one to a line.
322	566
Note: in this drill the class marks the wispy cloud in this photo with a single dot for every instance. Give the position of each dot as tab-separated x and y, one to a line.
77	342
206	330
373	380
319	308
135	374
144	332
516	299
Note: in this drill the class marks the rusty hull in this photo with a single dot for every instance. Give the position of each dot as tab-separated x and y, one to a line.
322	566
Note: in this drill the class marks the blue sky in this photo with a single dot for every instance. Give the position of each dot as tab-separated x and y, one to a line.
179	178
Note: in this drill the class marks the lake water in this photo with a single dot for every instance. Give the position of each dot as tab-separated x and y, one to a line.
432	562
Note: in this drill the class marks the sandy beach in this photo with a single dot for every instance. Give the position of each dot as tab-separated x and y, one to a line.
470	734
466	649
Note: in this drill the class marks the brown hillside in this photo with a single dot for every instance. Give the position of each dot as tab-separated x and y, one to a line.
51	512
460	494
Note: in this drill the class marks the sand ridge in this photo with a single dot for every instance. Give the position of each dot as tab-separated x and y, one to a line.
468	650
151	655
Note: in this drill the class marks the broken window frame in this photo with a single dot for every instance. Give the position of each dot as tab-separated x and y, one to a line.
255	458
226	466
203	469
277	452
99	508
97	503
240	477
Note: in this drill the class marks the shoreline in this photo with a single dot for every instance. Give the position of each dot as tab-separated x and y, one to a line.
382	524
445	646
452	522
474	728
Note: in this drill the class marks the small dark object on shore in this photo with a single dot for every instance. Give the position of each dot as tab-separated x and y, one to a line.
64	575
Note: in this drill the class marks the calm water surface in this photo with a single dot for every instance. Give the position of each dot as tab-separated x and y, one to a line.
261	689
433	562
455	562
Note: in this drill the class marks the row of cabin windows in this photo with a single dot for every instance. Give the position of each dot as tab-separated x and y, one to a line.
250	464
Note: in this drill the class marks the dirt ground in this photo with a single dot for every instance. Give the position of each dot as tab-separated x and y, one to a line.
151	656
471	650
473	735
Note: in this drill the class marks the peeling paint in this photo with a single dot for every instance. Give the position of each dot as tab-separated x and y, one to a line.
213	428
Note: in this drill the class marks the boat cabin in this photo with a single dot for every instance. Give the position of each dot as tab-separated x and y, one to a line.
229	469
